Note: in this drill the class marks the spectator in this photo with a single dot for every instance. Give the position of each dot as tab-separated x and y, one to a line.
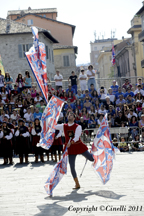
127	85
111	111
115	142
77	115
120	101
15	90
82	78
70	89
102	88
119	93
133	124
107	102
97	105
73	79
33	91
92	89
142	112
14	116
79	95
139	89
20	82
130	101
86	94
83	123
71	97
131	113
60	93
92	111
91	76
51	90
139	97
111	119
2	80
37	99
87	104
114	87
28	115
58	80
140	83
8	81
78	105
111	95
141	121
102	110
120	118
28	80
102	95
37	114
136	143
129	92
100	119
4	94
138	106
123	147
92	122
85	114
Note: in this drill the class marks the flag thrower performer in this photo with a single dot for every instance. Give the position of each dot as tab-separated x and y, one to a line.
75	146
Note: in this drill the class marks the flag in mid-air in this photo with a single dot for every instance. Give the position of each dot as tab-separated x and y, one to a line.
57	173
113	55
36	58
103	151
49	120
2	67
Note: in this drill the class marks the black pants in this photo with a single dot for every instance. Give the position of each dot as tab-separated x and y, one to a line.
72	158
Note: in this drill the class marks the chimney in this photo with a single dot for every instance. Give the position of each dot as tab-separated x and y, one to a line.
123	38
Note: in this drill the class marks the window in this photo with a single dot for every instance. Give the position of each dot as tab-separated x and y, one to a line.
30	22
66	61
22	48
47	53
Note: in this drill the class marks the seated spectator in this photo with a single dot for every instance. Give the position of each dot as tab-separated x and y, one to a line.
139	89
111	119
2	102
142	112
73	79
84	114
64	97
127	85
82	79
92	122
136	143
87	104
70	89
111	96
123	147
4	94
102	110
86	94
141	121
140	83
79	95
94	96
131	113
100	119
60	92
115	142
91	89
119	93
37	99
14	115
120	118
10	109
129	92
97	105
114	87
68	106
33	91
107	102
71	97
77	115
92	111
120	101
130	101
8	81
24	93
78	105
139	97
142	137
14	91
133	124
37	114
19	82
111	111
119	109
28	115
138	106
125	110
102	96
102	88
83	123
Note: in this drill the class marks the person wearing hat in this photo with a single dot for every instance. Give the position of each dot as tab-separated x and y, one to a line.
82	78
114	87
35	132
22	141
6	143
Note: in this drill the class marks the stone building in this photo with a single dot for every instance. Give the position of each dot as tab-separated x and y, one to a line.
15	39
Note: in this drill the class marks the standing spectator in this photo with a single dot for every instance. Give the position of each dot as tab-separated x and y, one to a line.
91	77
1	80
73	79
28	80
127	85
8	81
20	82
82	78
58	80
114	87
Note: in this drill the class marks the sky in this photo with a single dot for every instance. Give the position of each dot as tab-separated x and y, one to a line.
89	16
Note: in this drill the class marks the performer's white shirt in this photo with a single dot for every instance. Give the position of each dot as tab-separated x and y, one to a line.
8	137
33	132
78	130
17	133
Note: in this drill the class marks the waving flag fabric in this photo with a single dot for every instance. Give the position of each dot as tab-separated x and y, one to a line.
49	120
36	58
113	55
103	151
56	175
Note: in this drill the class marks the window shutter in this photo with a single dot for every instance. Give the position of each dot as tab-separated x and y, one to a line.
66	60
20	50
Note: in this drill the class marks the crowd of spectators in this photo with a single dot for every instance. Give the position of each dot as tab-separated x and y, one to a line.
124	104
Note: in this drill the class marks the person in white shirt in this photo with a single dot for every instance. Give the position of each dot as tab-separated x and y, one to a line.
91	77
139	89
82	78
28	115
14	116
37	98
58	80
131	113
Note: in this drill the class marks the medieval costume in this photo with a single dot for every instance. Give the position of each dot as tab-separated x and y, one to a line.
57	146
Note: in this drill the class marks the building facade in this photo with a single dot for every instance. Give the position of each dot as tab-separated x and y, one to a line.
15	40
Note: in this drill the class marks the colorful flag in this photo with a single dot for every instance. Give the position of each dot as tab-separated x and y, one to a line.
36	58
49	120
113	55
103	151
57	173
2	67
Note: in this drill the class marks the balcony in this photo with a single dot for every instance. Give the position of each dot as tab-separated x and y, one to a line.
142	63
141	36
